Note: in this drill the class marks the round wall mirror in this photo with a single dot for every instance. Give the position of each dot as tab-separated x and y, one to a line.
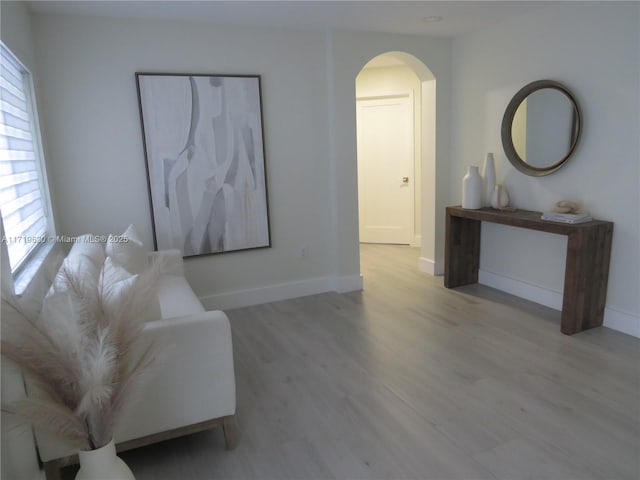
541	127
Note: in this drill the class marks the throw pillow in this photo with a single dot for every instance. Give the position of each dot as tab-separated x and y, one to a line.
88	245
128	251
79	273
76	281
116	284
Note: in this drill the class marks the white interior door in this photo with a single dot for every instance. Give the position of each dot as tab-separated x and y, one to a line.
385	169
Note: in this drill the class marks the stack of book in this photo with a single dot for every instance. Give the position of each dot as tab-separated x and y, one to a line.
566	217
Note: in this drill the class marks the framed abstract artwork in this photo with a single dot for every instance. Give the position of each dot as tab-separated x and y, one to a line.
204	148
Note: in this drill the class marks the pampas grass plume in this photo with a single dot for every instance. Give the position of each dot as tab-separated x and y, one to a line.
79	356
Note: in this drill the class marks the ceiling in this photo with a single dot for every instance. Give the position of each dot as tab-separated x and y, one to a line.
408	17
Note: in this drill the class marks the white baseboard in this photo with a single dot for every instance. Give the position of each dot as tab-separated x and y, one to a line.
430	266
615	319
282	291
528	291
622	321
352	283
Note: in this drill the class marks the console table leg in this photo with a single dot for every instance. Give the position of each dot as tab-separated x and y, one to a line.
462	251
586	278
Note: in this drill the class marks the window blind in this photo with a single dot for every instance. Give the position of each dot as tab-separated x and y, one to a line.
21	192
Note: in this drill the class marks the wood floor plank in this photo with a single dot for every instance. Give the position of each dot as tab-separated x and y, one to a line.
524	459
410	380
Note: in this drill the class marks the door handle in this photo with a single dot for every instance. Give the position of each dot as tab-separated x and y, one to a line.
405	179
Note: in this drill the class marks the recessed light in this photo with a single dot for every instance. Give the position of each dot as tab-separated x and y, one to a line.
432	19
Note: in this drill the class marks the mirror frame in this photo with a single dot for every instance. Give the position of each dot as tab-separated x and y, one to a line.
507	121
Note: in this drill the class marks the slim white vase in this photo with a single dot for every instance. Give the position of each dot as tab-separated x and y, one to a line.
472	189
103	464
489	179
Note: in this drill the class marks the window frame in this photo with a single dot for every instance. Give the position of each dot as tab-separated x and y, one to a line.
26	269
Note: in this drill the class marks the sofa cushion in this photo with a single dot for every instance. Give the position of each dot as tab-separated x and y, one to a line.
176	297
127	250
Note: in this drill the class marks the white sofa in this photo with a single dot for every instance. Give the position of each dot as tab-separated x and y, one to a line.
192	388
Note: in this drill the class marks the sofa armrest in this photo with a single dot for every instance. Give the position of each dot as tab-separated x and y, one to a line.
172	257
192	381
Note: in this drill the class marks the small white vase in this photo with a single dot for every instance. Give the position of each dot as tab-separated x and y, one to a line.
472	189
489	179
500	197
103	464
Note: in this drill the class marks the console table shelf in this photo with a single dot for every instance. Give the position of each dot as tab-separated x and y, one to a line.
587	266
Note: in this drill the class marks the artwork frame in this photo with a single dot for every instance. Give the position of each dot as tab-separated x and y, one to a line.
203	139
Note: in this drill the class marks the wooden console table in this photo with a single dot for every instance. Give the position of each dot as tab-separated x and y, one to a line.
587	268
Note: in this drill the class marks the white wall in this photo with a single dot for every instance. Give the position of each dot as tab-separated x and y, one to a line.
94	145
95	149
16	32
398	80
18	452
593	49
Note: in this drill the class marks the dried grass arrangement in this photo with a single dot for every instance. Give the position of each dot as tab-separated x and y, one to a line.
79	353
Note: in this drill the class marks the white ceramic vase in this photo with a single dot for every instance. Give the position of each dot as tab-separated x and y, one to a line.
472	189
103	464
489	179
500	197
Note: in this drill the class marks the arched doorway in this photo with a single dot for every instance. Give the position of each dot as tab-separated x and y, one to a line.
395	110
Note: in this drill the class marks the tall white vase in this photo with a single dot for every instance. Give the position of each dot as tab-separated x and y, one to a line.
103	464
472	189
489	179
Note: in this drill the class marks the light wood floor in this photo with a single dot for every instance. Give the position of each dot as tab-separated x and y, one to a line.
409	380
